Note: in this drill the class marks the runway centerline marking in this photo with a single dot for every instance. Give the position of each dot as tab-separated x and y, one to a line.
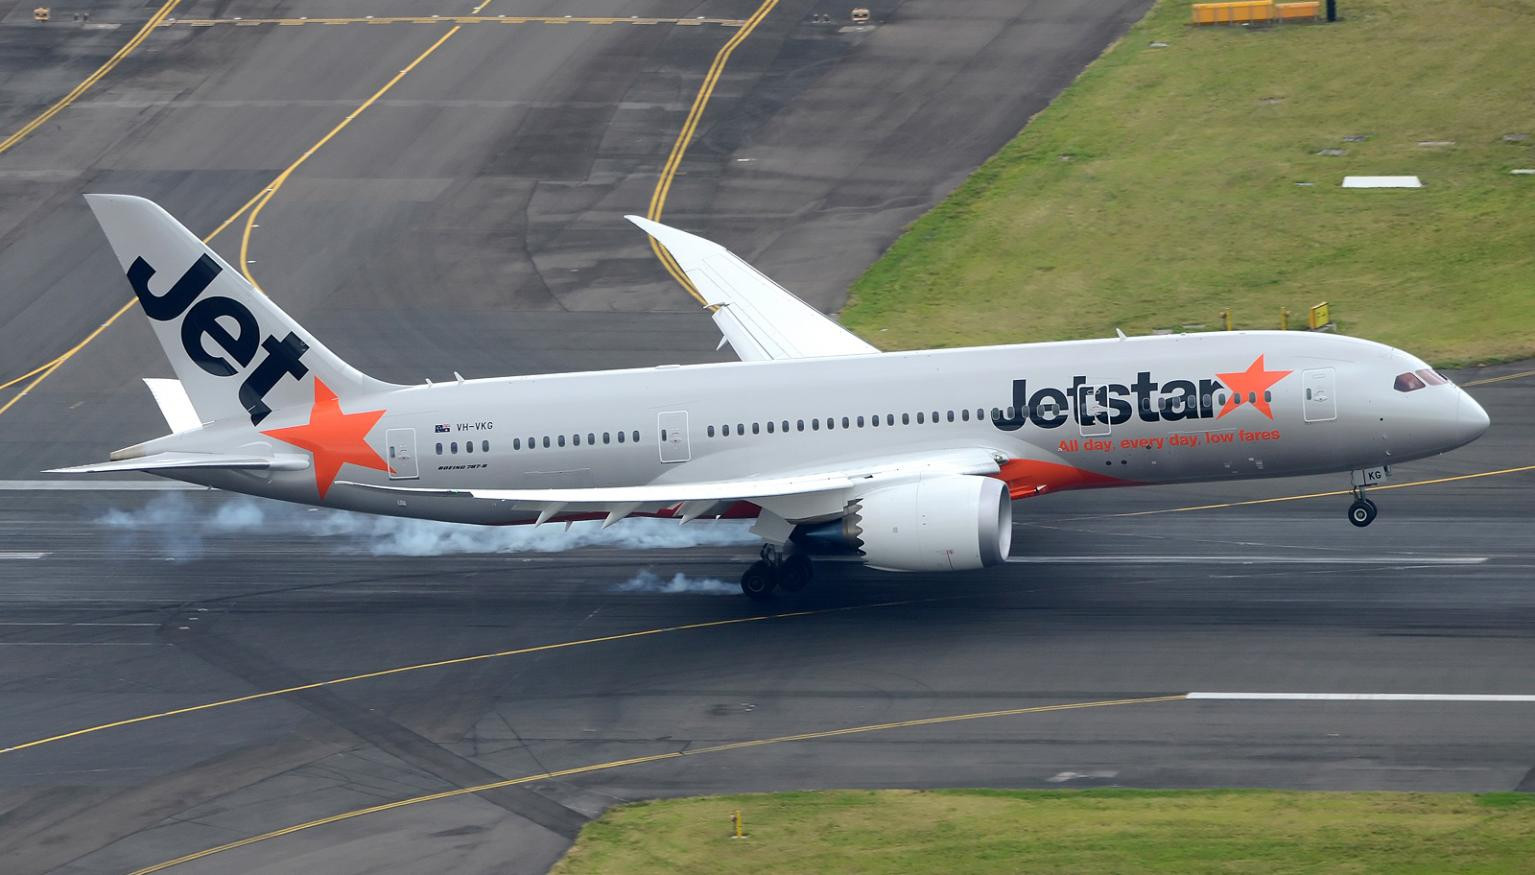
1499	379
85	84
443	663
636	761
685	137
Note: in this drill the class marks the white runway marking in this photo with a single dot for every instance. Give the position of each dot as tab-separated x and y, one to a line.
80	644
79	624
95	485
22	554
1369	697
1246	559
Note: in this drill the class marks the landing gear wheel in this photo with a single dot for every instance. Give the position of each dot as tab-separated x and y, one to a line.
795	573
1362	512
759	581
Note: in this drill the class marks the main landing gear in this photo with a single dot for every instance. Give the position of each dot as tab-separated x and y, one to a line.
1362	512
776	570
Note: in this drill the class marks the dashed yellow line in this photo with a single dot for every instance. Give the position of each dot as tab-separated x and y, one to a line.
636	761
680	147
444	663
450	19
87	82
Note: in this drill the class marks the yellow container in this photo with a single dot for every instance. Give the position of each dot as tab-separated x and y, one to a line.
1307	11
1232	13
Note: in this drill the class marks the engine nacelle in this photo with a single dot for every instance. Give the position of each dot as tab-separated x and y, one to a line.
947	522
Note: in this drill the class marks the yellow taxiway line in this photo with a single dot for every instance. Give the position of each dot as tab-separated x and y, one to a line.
685	137
444	663
87	82
636	761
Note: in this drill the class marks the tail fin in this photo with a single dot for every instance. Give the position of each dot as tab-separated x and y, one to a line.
234	351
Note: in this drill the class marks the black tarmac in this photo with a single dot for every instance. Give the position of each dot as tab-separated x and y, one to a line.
471	220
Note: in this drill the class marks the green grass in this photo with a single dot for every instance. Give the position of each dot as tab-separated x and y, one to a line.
1179	197
960	831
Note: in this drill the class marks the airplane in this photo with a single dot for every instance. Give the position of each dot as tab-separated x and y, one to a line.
907	461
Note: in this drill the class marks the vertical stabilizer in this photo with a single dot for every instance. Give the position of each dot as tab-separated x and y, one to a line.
234	351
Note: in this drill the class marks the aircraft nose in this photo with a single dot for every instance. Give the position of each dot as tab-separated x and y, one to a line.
1471	419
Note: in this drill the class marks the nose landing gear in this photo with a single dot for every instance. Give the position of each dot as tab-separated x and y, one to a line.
1362	512
776	570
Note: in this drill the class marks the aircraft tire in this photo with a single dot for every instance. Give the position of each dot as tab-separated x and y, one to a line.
795	574
1362	512
759	581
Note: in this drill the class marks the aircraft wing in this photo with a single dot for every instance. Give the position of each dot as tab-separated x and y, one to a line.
169	461
803	495
761	319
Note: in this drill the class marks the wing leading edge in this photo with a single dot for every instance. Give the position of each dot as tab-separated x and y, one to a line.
761	319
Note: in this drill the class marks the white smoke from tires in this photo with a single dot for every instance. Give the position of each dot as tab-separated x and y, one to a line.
182	529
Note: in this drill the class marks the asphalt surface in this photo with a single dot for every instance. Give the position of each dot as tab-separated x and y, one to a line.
470	220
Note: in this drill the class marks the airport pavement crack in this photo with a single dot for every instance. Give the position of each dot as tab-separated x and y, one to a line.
375	728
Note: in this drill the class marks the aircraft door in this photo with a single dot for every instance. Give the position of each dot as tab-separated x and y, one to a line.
402	453
1093	410
672	434
1321	403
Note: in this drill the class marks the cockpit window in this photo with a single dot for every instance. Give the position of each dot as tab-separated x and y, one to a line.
1432	377
1408	382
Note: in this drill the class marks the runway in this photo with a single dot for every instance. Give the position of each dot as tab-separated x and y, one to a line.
183	671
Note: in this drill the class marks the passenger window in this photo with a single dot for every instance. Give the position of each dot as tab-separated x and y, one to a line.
756	428
468	446
890	419
1308	393
963	414
979	414
935	417
439	448
636	437
874	420
815	425
1252	397
620	438
920	420
951	416
785	426
591	439
1267	395
562	440
607	437
1408	382
906	419
799	424
1205	400
576	439
1221	399
724	430
860	422
453	448
844	422
710	431
516	443
741	429
770	426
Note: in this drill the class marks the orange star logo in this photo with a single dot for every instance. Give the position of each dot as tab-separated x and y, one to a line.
333	437
1252	383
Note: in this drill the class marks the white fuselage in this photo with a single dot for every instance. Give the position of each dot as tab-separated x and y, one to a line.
1066	415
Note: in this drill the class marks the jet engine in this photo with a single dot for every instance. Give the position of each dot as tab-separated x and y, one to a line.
950	522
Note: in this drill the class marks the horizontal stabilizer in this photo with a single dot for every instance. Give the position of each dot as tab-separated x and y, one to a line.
183	461
174	404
